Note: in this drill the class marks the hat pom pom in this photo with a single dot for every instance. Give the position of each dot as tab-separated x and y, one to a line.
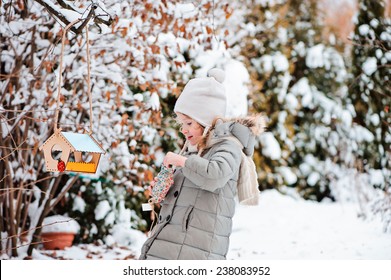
218	74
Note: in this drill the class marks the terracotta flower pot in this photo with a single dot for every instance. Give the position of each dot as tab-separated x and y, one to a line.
57	240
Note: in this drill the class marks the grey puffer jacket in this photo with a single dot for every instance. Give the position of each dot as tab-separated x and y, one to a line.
195	220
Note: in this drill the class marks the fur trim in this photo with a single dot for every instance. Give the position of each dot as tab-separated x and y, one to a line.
256	123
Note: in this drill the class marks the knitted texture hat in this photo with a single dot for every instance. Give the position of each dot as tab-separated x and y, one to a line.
204	99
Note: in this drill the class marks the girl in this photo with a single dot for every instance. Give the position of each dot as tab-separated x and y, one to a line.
195	219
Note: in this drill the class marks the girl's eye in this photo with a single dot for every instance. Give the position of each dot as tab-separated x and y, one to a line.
189	123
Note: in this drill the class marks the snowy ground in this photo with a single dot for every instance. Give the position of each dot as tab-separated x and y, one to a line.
280	228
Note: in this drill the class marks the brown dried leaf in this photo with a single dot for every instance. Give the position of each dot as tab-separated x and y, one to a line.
20	4
179	64
208	5
228	11
148	175
124	119
37	84
166	50
148	6
176	91
120	90
124	31
155	49
144	87
114	144
144	149
118	99
175	27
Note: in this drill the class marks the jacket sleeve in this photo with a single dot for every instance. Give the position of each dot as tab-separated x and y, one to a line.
214	173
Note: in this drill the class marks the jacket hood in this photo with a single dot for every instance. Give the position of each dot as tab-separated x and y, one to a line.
243	129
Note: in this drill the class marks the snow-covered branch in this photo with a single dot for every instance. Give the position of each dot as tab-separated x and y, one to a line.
67	13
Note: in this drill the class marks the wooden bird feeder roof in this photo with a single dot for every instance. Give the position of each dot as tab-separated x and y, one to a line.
83	142
79	142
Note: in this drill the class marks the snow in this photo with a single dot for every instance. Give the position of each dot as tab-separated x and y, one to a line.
186	10
376	177
375	119
267	63
374	23
313	178
370	66
78	204
124	236
102	209
291	228
87	252
286	227
270	146
315	57
236	84
289	176
291	102
361	134
58	223
280	62
149	134
363	29
154	102
302	88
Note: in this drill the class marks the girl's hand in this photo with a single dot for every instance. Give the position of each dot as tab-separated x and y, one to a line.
174	159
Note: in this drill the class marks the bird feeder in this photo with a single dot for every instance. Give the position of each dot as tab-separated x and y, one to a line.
69	151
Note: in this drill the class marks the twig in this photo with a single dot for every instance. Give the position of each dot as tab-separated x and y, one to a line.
5	175
16	189
57	15
15	149
42	226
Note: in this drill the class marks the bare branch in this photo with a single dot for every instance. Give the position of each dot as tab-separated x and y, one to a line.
53	11
66	5
58	15
41	226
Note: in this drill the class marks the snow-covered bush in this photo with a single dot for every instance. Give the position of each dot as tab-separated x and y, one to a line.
301	81
371	96
370	83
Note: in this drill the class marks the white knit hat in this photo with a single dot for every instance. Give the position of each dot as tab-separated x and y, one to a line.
204	99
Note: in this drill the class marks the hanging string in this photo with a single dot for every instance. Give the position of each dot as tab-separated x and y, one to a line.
89	78
56	126
56	129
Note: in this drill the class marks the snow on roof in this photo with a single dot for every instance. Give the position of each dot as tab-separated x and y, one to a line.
82	142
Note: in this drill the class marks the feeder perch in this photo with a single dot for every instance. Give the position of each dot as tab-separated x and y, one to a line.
68	151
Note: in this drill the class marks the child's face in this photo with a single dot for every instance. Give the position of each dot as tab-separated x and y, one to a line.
190	128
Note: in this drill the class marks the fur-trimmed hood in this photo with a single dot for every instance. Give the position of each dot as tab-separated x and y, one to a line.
244	129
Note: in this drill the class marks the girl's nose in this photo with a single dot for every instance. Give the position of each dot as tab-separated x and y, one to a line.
184	131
